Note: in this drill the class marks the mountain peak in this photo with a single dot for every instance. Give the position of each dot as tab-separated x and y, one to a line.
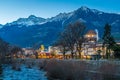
84	8
32	16
31	20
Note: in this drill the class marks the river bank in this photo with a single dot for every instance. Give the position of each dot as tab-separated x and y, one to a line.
82	69
24	73
50	69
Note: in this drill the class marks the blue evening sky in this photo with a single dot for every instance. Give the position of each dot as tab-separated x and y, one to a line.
11	10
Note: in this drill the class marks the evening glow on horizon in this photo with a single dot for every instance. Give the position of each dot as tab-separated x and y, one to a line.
11	10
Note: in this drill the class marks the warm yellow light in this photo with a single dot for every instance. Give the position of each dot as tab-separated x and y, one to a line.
92	35
88	35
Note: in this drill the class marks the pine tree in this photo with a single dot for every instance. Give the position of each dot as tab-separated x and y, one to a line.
108	40
116	50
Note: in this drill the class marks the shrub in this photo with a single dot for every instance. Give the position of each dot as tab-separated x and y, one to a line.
30	64
43	63
108	71
66	70
16	65
80	70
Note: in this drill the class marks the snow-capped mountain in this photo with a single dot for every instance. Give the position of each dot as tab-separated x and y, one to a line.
33	31
61	17
31	20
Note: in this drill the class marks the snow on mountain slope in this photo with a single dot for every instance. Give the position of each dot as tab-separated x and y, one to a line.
31	20
34	30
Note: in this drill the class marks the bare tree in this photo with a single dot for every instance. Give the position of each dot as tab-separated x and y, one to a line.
68	33
73	34
78	32
62	44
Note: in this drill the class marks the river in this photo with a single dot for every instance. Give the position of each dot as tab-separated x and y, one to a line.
24	74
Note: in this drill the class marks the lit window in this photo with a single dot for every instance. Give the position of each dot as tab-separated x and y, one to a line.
88	35
92	35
